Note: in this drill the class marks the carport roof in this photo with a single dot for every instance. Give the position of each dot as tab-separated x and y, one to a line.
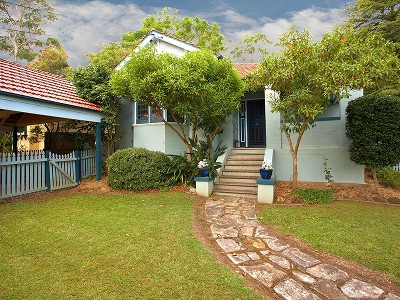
19	80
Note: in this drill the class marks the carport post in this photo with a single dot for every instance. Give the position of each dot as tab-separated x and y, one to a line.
98	151
15	139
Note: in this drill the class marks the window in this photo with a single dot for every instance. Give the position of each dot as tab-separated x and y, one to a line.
145	114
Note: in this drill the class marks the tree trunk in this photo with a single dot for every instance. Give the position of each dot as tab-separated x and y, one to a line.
373	171
295	173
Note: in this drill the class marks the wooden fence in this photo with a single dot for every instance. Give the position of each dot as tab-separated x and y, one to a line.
35	171
397	167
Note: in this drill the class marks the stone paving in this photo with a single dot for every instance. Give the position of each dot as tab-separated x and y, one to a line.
283	270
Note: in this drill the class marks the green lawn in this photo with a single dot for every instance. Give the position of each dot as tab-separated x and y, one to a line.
365	233
108	247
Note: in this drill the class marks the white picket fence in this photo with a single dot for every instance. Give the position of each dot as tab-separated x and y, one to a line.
36	171
88	163
397	167
22	173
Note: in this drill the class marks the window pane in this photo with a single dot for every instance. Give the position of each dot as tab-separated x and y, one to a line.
155	116
142	115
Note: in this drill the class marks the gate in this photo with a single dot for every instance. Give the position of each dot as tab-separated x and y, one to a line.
36	171
62	171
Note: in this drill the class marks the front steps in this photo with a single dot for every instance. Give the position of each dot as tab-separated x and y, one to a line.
240	173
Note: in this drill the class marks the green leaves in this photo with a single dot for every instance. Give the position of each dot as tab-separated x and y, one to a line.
196	88
373	127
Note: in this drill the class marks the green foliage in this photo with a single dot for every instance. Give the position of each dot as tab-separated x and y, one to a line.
108	57
192	30
327	171
378	17
314	196
137	169
92	83
182	170
373	127
197	89
52	59
251	44
22	23
203	150
305	73
389	177
6	139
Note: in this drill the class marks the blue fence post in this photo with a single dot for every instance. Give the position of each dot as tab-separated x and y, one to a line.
98	151
47	170
78	170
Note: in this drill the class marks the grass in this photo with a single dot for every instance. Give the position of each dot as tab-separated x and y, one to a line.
109	247
365	233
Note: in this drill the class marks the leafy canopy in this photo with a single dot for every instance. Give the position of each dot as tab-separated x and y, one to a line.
52	59
373	127
22	21
192	30
197	89
306	73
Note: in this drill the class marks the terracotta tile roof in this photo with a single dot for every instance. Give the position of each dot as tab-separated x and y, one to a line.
21	80
245	68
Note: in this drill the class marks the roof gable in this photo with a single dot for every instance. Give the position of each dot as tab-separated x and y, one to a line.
164	42
19	80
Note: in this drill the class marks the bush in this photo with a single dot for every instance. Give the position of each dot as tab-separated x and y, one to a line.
182	170
137	169
314	196
389	177
373	127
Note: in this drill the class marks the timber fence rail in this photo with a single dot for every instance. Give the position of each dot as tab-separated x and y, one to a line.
35	171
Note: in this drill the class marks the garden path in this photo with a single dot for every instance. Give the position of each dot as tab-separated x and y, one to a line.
283	270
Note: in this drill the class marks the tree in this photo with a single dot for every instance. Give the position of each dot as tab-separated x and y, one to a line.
197	89
92	84
192	30
52	59
108	57
22	21
377	16
307	73
373	127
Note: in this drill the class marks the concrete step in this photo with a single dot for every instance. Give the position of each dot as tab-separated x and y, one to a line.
248	150
236	193
237	179
251	157
238	167
236	186
244	162
242	173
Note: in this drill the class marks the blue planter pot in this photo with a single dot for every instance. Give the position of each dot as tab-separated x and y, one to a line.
265	174
204	172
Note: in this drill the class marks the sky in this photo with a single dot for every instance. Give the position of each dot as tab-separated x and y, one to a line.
84	25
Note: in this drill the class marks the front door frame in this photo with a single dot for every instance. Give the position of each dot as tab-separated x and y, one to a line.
243	133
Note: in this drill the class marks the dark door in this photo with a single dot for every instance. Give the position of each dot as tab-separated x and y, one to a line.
256	123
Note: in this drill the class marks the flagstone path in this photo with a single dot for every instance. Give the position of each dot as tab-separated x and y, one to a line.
285	271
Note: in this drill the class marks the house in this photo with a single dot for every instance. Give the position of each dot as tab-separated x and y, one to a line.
254	128
29	96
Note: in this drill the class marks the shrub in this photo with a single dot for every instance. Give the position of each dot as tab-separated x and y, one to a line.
137	169
182	170
373	127
389	177
314	196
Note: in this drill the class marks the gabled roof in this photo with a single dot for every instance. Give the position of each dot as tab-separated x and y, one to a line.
23	81
245	68
154	36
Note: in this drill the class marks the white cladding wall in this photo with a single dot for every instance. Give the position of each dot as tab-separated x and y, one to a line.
328	139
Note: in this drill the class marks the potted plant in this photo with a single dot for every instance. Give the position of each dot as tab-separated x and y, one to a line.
266	169
203	166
